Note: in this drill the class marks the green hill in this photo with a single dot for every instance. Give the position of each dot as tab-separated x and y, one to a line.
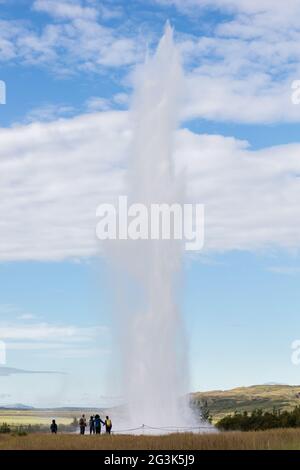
266	397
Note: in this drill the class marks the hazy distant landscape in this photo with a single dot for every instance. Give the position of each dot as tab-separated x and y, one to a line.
219	402
25	427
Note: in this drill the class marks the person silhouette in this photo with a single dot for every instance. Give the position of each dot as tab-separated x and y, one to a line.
98	422
108	425
82	424
53	427
92	425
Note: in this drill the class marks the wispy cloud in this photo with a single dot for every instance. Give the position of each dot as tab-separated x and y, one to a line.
7	371
15	311
286	270
26	316
48	113
96	103
75	38
284	12
51	340
49	332
241	70
65	9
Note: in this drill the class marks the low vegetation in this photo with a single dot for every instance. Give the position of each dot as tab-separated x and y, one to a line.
259	420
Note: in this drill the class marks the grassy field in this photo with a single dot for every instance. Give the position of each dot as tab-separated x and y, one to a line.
266	397
287	439
25	419
40	417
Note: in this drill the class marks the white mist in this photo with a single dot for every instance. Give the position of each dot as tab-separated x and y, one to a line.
147	273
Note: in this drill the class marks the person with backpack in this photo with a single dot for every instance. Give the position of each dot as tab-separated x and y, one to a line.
98	422
82	424
53	427
92	425
108	425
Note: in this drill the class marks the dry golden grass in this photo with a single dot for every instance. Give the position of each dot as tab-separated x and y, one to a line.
24	420
280	439
33	417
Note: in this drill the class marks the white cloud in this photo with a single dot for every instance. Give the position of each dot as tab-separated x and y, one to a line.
73	39
48	112
76	353
52	178
97	103
7	371
26	316
242	69
254	100
10	31
121	99
15	311
54	340
110	12
54	175
66	10
275	9
242	79
251	197
48	332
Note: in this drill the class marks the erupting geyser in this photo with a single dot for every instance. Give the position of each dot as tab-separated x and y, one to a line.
155	371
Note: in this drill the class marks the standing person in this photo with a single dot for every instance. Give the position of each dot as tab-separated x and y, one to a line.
92	425
53	427
98	422
108	425
82	424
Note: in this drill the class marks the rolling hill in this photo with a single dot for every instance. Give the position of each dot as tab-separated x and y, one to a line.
266	397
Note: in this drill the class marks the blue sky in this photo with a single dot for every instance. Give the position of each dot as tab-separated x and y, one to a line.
64	134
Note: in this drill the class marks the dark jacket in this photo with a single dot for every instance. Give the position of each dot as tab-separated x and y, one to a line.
98	422
53	428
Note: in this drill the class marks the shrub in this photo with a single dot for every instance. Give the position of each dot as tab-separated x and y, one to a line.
259	420
4	428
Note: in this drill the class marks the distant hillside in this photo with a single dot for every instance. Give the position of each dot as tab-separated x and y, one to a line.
223	402
16	406
219	402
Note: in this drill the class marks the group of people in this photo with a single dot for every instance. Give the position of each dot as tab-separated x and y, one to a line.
94	425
